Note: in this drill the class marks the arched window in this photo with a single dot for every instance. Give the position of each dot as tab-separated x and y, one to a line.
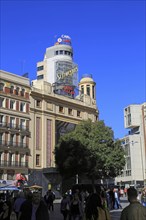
82	89
11	89
17	91
22	92
88	90
93	92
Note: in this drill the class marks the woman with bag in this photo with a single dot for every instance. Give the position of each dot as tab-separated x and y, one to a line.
95	210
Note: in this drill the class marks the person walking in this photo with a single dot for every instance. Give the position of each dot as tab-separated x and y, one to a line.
35	209
18	202
135	210
76	209
95	210
65	206
49	199
117	204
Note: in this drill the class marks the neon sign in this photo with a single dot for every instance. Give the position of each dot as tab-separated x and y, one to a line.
69	90
68	73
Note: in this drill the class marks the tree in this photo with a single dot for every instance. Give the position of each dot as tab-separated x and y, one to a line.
90	150
71	156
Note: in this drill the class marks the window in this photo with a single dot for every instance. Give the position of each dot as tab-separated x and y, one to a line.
1	102
11	139
78	114
22	92
10	176
70	111
1	120
93	93
60	109
12	122
1	138
37	160
22	160
56	52
22	124
40	77
17	91
88	90
128	161
11	89
39	68
22	141
82	89
22	107
61	51
1	86
12	104
38	103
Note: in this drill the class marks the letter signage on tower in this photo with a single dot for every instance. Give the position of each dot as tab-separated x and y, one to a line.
64	39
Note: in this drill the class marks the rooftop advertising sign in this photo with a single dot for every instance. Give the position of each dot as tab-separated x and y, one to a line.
64	39
66	78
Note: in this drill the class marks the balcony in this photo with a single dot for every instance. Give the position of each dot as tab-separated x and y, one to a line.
13	164
15	127
14	146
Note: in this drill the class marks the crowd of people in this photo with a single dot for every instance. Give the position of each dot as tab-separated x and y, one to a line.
84	205
97	205
75	205
26	205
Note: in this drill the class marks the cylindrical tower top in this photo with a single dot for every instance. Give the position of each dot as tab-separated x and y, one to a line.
87	86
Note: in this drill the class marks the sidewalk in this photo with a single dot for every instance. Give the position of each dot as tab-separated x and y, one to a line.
116	213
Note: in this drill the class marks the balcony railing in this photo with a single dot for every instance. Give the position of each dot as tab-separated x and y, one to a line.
4	143
15	164
14	126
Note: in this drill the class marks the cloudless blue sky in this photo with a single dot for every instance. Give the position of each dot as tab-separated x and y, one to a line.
108	38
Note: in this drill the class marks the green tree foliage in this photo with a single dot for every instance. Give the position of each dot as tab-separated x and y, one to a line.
90	150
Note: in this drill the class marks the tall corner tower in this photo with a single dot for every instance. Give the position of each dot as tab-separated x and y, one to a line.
58	60
87	86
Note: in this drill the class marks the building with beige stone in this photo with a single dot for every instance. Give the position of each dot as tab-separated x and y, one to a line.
58	103
52	106
14	125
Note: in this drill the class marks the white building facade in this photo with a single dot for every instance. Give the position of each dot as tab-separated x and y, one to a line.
134	172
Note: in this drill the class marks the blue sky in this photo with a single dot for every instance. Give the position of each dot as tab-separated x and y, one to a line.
108	38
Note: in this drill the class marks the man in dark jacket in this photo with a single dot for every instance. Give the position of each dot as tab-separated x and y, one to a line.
35	209
134	211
